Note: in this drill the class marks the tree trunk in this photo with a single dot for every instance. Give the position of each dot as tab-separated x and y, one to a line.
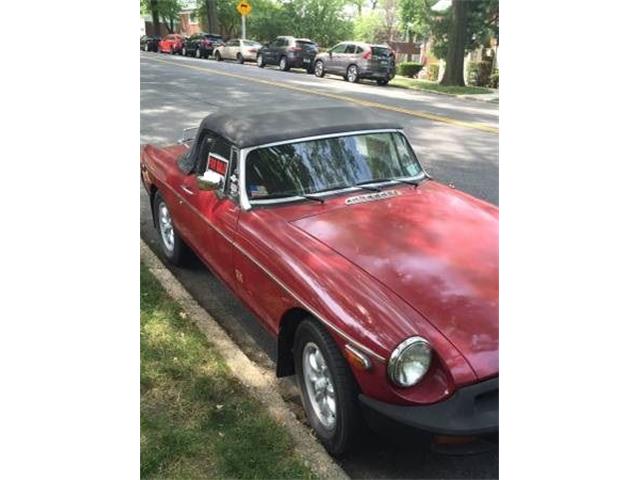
212	16
156	17
454	69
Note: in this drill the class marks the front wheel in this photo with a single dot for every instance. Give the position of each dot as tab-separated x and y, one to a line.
146	47
239	58
218	56
284	64
184	51
260	61
172	245
329	391
198	53
352	74
319	68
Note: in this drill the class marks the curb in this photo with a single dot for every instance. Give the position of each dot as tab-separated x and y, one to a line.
464	96
260	382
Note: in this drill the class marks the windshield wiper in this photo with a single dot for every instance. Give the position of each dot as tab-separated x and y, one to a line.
363	183
292	196
400	180
311	197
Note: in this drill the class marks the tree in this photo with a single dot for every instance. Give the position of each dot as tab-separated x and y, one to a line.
212	16
369	27
168	10
462	28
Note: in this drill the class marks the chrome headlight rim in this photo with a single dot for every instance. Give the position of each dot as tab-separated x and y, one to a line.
396	356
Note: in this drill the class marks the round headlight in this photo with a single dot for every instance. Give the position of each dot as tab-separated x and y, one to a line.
409	362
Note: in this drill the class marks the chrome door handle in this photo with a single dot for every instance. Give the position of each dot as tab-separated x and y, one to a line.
186	189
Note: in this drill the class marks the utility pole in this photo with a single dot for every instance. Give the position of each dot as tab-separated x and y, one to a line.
244	27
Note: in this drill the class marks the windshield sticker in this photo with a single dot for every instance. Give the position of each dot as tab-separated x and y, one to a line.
371	197
258	191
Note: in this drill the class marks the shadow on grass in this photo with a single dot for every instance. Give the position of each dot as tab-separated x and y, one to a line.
196	420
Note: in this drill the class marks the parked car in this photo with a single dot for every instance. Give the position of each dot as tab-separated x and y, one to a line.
356	60
379	284
149	43
239	50
201	45
288	52
171	43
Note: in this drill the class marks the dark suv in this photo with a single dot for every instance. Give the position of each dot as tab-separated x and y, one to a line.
288	52
201	45
356	60
149	43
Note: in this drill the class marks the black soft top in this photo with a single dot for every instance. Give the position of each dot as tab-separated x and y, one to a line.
258	128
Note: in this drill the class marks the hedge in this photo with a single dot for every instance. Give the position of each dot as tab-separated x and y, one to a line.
409	69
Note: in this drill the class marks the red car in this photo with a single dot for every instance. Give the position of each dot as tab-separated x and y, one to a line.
380	284
171	43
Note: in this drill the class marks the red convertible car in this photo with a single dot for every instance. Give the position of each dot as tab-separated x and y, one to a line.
380	284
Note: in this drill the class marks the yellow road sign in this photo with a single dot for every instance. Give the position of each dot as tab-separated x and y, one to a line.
243	7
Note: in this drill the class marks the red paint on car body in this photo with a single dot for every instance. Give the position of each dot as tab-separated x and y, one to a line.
423	262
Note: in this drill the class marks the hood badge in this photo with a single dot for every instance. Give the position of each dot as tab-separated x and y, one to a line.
371	197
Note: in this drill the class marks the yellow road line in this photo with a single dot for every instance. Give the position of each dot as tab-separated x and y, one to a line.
365	103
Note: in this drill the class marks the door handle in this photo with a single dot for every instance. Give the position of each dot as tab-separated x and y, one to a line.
186	189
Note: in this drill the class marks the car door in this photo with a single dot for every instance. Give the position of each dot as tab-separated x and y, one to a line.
208	219
232	49
334	58
347	58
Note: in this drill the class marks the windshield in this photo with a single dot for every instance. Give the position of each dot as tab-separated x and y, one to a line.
328	164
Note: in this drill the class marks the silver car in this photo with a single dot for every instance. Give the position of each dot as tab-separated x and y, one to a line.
356	60
237	49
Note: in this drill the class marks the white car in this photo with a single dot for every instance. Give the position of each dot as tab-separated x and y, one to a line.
238	49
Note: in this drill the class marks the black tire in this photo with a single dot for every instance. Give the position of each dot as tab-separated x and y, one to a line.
348	419
260	61
382	82
198	53
178	254
319	65
283	64
146	47
352	74
184	52
218	56
239	58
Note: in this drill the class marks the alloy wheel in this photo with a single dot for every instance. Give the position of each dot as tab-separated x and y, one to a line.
352	73
319	69
146	47
198	53
283	63
319	385
166	227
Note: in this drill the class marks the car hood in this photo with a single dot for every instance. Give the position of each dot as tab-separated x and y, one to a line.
437	249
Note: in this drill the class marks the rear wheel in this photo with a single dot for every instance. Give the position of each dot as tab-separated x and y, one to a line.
184	51
284	64
329	391
172	245
198	53
239	58
382	81
146	47
260	61
218	56
352	74
319	68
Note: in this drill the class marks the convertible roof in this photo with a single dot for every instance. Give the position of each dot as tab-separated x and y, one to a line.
259	128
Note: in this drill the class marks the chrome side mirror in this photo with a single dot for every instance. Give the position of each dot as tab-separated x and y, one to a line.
210	181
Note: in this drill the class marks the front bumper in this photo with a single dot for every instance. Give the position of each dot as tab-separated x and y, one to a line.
471	410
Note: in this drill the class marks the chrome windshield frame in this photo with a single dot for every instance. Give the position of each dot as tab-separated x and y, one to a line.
247	204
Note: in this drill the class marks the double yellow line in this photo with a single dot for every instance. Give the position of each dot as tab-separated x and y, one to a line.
365	103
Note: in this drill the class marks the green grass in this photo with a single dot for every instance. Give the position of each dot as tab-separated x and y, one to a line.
419	84
196	420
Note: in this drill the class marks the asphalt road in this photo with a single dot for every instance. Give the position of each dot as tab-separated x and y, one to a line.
449	136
